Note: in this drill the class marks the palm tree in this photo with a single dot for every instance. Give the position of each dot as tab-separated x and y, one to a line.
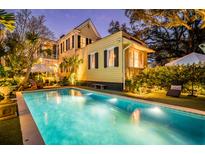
7	23
72	63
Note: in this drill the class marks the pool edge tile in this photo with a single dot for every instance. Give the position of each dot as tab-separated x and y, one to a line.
30	132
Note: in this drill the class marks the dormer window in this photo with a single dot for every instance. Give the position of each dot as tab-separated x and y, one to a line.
88	41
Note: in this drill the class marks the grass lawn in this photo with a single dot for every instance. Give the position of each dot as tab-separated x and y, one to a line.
10	132
184	100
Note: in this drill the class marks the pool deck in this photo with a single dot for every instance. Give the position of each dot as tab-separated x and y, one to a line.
31	134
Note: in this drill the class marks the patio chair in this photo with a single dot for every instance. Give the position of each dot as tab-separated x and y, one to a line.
174	91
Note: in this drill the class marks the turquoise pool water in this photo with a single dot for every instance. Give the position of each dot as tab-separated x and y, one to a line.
73	116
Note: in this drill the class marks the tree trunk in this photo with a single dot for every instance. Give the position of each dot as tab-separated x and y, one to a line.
22	84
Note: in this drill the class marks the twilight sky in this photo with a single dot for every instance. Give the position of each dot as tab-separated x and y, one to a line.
62	21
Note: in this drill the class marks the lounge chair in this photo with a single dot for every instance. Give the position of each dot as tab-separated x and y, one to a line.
174	91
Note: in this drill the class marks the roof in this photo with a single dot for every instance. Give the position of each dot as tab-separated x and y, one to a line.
138	42
129	37
86	22
192	58
83	24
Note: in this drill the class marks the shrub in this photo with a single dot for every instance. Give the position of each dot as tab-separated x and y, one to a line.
162	77
64	81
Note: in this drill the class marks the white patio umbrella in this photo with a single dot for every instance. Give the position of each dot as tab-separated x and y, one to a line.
41	68
190	59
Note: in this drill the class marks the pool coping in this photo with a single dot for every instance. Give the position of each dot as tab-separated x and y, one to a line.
29	129
31	134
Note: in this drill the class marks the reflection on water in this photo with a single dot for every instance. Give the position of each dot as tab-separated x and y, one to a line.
45	114
73	92
135	116
53	94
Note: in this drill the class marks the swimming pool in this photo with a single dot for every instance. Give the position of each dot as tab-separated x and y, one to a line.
77	116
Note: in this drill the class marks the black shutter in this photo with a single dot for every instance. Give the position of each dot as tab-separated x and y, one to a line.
96	60
73	42
79	41
116	52
87	41
88	61
90	41
105	58
68	43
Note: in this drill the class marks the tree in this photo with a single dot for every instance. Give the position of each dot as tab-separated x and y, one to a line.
36	35
171	33
30	33
115	26
7	23
72	64
168	18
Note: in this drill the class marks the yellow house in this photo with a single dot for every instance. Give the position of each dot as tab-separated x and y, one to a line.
108	61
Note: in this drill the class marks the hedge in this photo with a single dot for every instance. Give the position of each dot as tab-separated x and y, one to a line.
162	77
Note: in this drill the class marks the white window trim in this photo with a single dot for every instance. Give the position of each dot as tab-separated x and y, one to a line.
108	49
92	54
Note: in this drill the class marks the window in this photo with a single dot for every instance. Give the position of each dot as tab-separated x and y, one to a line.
87	41
83	42
79	41
67	44
90	41
93	60
73	42
111	57
61	47
57	50
136	59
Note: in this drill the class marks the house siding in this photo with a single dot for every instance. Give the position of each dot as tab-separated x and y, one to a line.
102	74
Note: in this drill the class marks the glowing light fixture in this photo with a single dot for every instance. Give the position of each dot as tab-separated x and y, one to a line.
112	100
156	110
88	94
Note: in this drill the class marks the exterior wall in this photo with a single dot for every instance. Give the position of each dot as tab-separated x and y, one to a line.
108	74
84	32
